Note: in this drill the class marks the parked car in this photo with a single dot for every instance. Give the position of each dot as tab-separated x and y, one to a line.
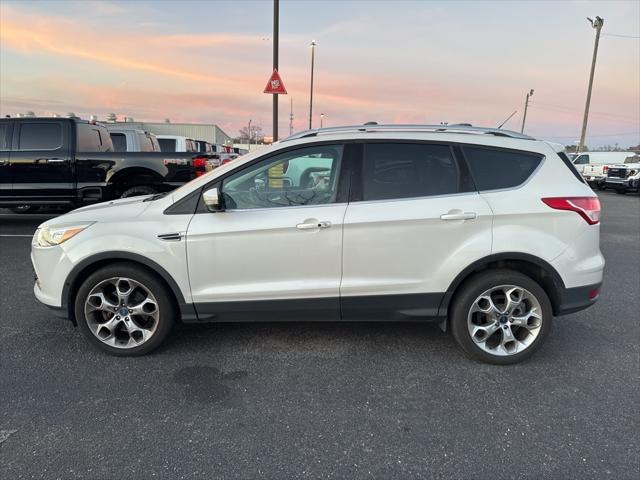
71	162
176	143
488	232
133	140
625	177
597	159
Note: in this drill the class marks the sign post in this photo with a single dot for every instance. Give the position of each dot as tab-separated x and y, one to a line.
276	35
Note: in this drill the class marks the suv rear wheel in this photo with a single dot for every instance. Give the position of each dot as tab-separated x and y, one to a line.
501	316
124	310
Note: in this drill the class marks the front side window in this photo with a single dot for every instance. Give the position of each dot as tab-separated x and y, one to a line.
581	160
493	169
40	136
395	171
308	176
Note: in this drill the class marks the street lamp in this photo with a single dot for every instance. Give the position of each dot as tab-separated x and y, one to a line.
321	118
313	51
526	106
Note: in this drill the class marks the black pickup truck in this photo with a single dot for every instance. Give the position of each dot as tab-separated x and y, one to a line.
71	162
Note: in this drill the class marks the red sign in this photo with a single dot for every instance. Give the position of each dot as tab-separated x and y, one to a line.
275	85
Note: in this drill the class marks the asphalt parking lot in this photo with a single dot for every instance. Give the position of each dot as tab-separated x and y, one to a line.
297	400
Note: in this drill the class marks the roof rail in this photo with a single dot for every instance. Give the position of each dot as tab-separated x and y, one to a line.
370	127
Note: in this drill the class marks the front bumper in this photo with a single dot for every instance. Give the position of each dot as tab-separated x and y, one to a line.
626	183
51	266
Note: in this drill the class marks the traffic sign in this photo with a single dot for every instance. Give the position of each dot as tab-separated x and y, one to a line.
275	85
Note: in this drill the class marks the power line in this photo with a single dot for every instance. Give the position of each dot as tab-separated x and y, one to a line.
617	35
599	135
570	110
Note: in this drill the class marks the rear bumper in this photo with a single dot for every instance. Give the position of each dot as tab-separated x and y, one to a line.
578	298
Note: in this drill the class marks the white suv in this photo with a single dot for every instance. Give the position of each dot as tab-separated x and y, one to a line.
488	232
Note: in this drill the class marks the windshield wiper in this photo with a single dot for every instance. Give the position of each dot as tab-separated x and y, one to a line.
156	197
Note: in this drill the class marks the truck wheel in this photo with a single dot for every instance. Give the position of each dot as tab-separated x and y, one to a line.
138	191
24	209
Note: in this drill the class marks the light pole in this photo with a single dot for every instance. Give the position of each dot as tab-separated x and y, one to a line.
291	118
597	24
249	136
321	118
313	51
526	106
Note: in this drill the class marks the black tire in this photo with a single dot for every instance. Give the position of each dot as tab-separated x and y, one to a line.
163	296
621	191
24	209
138	191
467	294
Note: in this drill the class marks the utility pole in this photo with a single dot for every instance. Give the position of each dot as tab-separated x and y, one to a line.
597	24
526	106
313	50
291	118
276	27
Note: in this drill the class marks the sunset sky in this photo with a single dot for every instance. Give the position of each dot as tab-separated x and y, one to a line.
389	61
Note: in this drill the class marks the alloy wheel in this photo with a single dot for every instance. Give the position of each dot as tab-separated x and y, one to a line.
505	320
122	312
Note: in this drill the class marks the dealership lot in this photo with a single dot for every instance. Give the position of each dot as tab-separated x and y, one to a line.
332	400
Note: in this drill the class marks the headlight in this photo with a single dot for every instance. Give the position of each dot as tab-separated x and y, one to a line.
57	234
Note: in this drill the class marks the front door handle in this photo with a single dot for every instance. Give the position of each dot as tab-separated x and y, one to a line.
313	225
458	215
56	160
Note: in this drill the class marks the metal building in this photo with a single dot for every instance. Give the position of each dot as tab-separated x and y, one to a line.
197	131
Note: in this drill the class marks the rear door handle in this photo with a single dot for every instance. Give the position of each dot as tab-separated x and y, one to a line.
458	215
313	225
56	160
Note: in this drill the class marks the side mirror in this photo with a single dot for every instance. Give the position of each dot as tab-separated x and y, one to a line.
212	200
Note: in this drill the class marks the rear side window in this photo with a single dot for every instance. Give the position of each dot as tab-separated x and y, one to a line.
40	136
400	170
119	142
167	144
494	169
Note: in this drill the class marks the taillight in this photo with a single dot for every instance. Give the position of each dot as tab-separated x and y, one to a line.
605	169
587	207
225	160
200	165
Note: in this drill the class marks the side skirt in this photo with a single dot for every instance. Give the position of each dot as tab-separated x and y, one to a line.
408	307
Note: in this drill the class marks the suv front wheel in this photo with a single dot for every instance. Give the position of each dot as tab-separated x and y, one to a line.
124	310
501	316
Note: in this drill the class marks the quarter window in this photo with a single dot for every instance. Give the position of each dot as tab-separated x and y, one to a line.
494	169
308	176
40	136
392	171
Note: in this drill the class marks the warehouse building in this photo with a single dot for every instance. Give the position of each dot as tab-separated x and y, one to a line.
197	131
